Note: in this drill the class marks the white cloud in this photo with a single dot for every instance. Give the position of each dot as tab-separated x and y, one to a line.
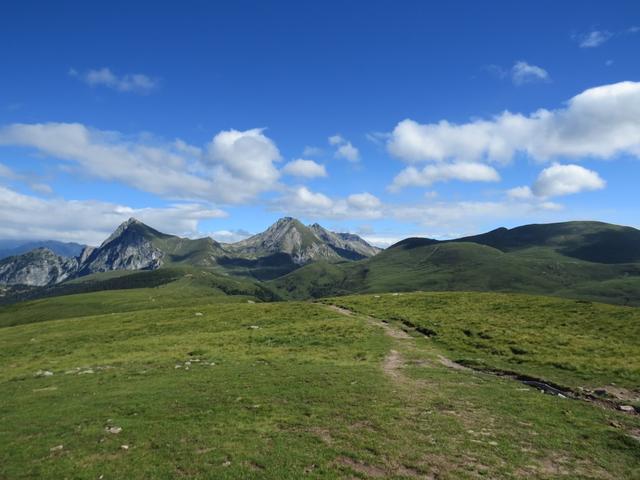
466	215
363	201
305	168
243	163
229	236
558	180
104	77
520	193
344	148
600	122
592	39
427	176
348	152
303	202
522	73
236	168
336	140
88	221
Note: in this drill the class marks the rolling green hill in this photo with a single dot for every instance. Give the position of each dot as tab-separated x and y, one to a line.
541	259
169	284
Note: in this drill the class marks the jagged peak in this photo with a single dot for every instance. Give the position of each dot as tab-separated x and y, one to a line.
123	227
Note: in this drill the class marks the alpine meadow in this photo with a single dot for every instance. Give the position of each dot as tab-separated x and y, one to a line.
337	240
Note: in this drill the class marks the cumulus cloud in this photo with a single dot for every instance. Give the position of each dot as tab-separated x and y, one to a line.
336	140
104	77
89	221
305	168
427	176
601	122
303	202
243	163
235	168
520	193
592	39
522	73
344	148
558	180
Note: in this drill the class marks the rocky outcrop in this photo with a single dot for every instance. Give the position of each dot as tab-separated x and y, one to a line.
345	244
39	268
129	247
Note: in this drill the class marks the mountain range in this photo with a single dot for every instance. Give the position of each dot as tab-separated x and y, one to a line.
590	260
11	248
283	247
290	260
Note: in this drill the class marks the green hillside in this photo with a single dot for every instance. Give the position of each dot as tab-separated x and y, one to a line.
167	382
534	259
590	241
166	286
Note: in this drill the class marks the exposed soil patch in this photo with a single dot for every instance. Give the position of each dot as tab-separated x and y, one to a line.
392	364
323	434
451	364
362	468
340	310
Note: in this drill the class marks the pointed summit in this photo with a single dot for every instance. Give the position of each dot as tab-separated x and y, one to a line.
134	227
304	244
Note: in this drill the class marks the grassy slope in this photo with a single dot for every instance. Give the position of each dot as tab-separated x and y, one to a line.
467	266
120	291
304	394
575	343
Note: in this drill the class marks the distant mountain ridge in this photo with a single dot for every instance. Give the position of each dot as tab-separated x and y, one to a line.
304	244
284	246
11	248
591	260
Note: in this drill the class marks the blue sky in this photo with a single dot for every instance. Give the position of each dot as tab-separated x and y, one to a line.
383	118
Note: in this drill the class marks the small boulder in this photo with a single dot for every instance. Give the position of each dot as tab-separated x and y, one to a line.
115	430
57	448
627	408
198	314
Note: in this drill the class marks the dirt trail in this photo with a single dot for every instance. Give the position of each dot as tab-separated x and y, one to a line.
393	363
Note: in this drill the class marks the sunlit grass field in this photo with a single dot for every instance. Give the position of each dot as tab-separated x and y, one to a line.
117	385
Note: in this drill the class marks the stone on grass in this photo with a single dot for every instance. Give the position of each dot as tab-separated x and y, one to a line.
627	408
57	448
115	430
